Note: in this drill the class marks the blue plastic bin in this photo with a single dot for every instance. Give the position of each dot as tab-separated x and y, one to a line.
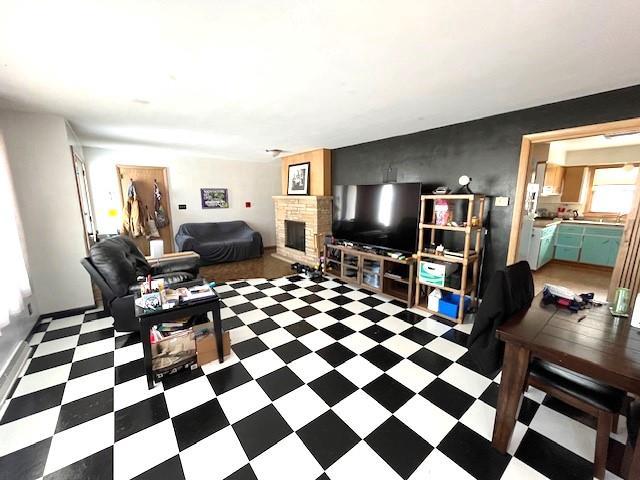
449	303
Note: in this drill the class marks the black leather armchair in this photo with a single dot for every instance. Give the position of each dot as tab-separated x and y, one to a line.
115	265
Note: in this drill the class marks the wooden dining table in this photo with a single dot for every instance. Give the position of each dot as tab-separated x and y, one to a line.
591	342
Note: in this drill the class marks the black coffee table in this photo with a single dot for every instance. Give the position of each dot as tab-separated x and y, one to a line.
148	318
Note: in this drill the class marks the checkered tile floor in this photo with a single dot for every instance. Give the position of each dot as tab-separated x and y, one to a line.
325	381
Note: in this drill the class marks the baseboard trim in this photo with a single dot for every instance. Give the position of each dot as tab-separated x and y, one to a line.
10	375
67	313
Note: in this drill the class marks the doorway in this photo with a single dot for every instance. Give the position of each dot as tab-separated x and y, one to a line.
576	204
143	178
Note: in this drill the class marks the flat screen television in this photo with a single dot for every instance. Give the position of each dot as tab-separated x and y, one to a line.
383	215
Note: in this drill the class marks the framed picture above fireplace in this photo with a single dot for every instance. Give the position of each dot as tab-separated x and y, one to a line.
298	179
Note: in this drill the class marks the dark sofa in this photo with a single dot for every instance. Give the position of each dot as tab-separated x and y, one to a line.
115	264
220	241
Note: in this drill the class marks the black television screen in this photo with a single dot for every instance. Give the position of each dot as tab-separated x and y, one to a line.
379	215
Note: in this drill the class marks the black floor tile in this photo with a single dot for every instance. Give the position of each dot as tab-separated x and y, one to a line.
316	288
402	448
371	301
283	297
328	438
551	459
306	312
291	351
474	453
341	300
139	416
45	362
91	365
198	423
467	360
264	286
377	333
332	387
382	357
243	308
98	466
232	322
311	299
95	336
245	473
263	326
528	407
447	397
456	336
418	335
342	289
254	296
181	377
169	469
248	347
373	315
336	354
127	340
339	313
408	316
272	310
129	371
228	378
33	403
25	463
228	294
90	317
300	328
338	331
279	383
40	327
261	430
289	286
431	361
388	392
85	409
569	411
61	333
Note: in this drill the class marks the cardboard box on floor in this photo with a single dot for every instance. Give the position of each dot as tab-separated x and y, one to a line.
206	348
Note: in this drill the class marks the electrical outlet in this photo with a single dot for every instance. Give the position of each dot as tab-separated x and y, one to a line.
502	201
182	206
247	204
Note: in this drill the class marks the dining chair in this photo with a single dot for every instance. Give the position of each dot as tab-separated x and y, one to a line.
631	459
582	392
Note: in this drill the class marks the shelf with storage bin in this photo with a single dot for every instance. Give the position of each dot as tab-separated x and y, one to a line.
468	263
378	273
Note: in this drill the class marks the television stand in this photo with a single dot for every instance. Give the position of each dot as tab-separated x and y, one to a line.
373	272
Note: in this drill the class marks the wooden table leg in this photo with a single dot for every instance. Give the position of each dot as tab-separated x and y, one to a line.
514	374
146	348
217	328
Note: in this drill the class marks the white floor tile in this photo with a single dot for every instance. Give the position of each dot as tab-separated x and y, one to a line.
242	401
447	349
215	365
394	324
300	406
359	371
88	384
93	349
79	442
426	419
128	354
310	367
480	418
565	431
285	319
59	323
133	391
432	326
294	303
36	338
43	379
233	301
357	342
188	395
401	345
252	316
466	380
320	320
438	466
262	363
362	462
411	375
264	302
517	470
357	307
240	334
54	346
357	322
28	430
95	325
361	412
217	456
276	337
389	308
289	459
314	341
141	451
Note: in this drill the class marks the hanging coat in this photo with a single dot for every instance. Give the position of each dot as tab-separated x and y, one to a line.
161	216
137	224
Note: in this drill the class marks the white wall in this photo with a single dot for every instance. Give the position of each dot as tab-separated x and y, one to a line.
247	182
601	156
43	177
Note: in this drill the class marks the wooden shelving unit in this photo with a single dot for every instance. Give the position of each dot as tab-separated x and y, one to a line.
378	273
469	259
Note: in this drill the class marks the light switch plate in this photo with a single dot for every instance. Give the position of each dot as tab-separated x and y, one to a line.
502	201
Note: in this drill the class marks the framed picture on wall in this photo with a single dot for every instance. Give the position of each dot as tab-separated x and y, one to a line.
214	197
298	179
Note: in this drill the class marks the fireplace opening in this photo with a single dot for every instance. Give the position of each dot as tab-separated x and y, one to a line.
294	235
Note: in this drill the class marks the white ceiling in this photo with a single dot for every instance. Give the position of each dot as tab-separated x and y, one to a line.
231	78
596	142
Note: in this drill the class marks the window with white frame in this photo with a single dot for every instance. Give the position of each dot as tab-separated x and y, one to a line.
613	189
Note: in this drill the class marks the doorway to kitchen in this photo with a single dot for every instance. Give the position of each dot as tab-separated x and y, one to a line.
576	205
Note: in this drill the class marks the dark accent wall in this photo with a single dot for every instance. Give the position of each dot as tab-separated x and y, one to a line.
487	150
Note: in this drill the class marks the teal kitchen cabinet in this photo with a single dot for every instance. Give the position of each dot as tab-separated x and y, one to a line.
570	254
547	244
599	250
613	252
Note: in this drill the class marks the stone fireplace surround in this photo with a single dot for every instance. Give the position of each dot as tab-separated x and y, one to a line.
315	212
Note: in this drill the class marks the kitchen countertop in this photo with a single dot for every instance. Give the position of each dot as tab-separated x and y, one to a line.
541	222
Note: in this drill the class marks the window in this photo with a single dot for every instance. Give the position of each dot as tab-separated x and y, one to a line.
612	189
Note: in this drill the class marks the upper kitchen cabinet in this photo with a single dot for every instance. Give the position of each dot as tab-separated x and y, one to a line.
553	179
572	189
